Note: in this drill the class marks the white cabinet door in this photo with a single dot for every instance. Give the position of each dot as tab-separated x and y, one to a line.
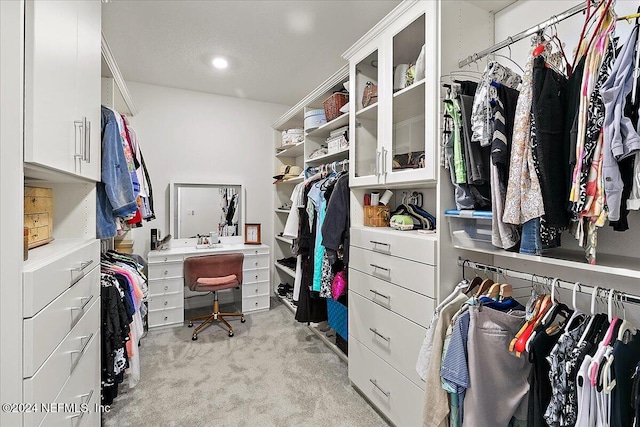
89	41
62	86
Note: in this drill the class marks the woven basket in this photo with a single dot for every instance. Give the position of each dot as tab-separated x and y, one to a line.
377	216
333	104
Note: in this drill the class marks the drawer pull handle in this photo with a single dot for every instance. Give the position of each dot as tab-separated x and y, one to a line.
80	352
256	252
256	263
256	290
166	272
166	302
84	304
375	383
83	265
377	267
379	243
166	287
379	294
166	318
165	259
375	331
256	277
256	304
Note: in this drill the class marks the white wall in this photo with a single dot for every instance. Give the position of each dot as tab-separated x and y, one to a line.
192	136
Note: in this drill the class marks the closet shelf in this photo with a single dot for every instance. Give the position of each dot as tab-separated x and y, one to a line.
607	264
283	210
369	113
292	180
408	101
50	252
324	130
285	240
338	155
296	150
291	272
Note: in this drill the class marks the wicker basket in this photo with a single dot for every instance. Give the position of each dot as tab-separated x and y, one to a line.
333	104
377	216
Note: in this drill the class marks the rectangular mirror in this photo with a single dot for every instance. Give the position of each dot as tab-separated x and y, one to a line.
197	209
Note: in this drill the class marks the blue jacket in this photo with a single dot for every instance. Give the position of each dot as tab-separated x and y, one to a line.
115	192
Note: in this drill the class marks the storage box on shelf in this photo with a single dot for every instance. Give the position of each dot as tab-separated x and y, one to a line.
470	229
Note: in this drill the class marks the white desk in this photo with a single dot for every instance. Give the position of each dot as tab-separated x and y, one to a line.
166	280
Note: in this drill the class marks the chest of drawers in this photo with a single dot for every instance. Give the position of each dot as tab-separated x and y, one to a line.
166	281
391	300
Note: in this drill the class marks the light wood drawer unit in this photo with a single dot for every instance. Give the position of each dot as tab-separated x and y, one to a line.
44	331
166	301
410	245
255	303
165	270
392	337
44	282
413	306
409	274
36	219
166	286
255	289
65	360
166	317
397	397
254	276
255	262
82	388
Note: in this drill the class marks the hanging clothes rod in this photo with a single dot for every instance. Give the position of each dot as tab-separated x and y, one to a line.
543	280
531	31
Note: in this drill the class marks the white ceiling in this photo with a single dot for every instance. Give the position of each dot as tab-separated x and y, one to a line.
278	51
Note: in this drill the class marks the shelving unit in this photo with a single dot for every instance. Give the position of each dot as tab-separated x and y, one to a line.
370	112
331	157
294	151
285	240
288	271
324	130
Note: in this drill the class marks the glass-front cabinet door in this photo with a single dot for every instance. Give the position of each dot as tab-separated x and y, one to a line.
412	150
366	163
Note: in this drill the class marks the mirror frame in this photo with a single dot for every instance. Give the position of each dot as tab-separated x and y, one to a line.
173	208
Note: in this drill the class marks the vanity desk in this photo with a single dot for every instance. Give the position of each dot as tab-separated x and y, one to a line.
166	280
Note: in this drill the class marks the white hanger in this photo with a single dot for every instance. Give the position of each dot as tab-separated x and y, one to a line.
452	295
625	325
593	312
576	310
554	303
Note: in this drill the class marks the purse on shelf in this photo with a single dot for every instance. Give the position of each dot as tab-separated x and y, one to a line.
370	94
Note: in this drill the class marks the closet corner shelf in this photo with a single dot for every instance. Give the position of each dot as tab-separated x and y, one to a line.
608	264
409	102
296	150
324	130
291	272
283	210
338	155
285	240
369	113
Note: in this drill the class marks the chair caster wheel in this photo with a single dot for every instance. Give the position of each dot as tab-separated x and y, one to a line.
230	333
190	325
242	320
194	337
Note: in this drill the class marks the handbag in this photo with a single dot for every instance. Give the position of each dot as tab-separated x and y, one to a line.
370	94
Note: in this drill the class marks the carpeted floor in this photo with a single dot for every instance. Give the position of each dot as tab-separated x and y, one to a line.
274	372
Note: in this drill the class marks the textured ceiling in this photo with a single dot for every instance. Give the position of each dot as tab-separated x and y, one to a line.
278	51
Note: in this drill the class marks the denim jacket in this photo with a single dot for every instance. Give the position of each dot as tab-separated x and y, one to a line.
115	192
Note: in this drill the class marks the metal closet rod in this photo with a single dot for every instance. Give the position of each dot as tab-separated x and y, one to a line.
531	31
544	280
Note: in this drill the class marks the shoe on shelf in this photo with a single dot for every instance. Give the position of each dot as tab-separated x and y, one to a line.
284	289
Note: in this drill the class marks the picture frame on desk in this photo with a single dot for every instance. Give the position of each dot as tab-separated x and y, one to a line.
252	234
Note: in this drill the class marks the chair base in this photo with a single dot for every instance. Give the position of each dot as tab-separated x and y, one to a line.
215	315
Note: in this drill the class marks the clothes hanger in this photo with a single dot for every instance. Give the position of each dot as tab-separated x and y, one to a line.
475	282
593	313
625	326
636	69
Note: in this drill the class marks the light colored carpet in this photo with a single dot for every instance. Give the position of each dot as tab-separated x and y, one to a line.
274	372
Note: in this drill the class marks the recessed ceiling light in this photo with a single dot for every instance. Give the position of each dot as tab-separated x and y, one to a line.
220	63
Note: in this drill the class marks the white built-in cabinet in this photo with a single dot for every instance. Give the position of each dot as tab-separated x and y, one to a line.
62	86
395	124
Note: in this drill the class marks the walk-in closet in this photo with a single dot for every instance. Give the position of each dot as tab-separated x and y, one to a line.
309	213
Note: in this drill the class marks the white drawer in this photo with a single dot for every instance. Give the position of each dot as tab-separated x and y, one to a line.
167	301
165	286
254	276
409	274
255	289
397	397
255	262
393	338
165	317
411	245
43	283
66	359
409	304
82	388
255	303
165	258
165	270
44	331
261	251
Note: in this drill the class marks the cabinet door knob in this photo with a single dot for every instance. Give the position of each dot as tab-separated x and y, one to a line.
166	318
256	304
166	272
166	302
256	290
256	252
166	288
165	259
256	277
256	263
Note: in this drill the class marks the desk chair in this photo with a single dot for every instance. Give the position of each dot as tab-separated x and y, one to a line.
213	273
